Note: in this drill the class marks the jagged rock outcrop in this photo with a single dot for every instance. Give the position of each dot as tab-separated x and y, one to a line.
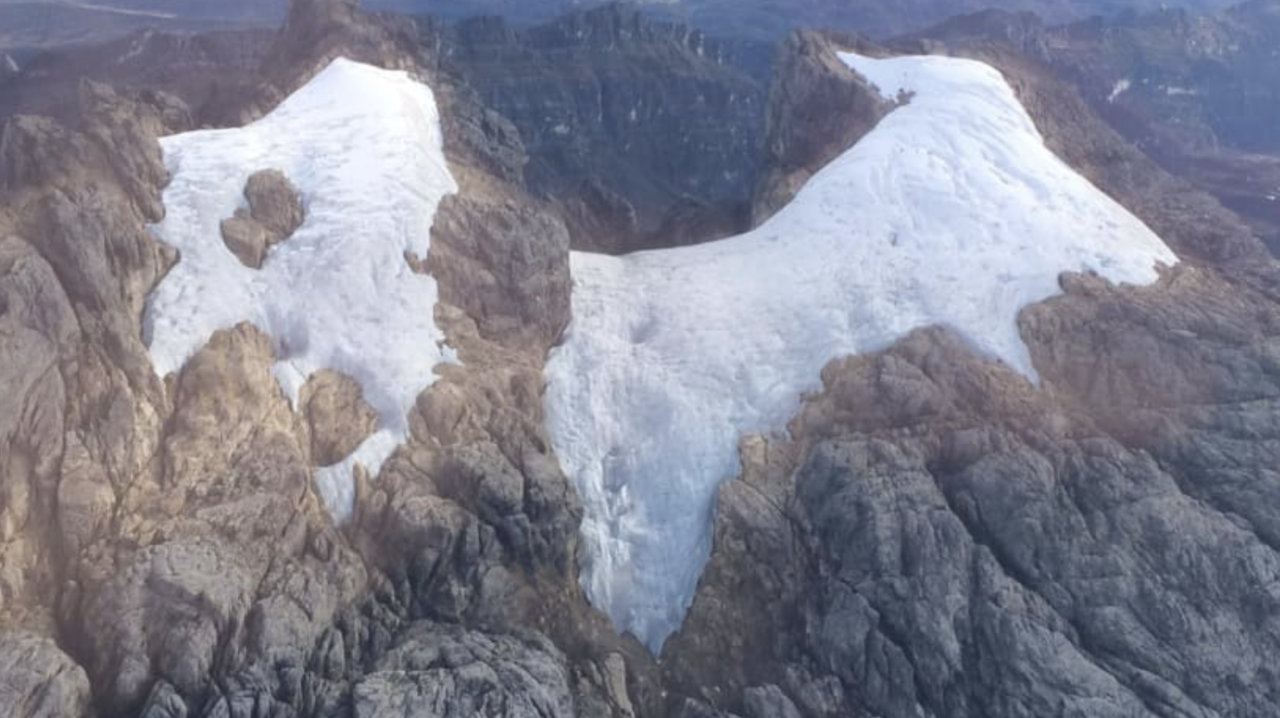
36	319
274	214
505	262
40	681
274	202
941	538
816	112
447	671
337	415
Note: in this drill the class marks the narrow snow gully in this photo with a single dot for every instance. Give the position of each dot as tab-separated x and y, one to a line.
951	212
364	147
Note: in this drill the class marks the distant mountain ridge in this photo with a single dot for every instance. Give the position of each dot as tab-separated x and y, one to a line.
27	23
1196	92
773	19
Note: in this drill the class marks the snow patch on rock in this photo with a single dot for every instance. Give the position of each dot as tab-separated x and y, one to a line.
951	212
1121	87
364	148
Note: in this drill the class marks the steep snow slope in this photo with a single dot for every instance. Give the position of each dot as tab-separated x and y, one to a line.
951	212
364	147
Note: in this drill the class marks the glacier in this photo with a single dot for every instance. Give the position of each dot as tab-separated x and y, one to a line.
951	212
364	147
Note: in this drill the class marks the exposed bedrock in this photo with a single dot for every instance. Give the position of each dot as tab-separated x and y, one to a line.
40	681
941	538
816	110
166	530
274	213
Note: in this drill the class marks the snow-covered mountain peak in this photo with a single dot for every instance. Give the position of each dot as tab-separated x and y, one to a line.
951	212
364	147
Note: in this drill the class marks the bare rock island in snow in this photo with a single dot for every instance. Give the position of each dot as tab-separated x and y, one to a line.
274	214
364	148
951	212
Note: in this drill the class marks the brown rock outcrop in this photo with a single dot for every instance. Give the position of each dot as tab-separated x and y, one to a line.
275	212
338	418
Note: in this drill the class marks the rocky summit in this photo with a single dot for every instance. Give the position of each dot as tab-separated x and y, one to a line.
361	368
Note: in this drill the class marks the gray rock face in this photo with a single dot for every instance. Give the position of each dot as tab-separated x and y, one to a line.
954	563
37	680
35	319
451	672
818	112
274	202
246	239
505	262
610	104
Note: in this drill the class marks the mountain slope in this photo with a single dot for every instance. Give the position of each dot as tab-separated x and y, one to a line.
36	25
673	355
365	149
773	19
1195	91
935	535
597	98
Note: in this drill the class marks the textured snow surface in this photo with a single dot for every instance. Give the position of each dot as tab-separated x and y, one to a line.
363	146
951	212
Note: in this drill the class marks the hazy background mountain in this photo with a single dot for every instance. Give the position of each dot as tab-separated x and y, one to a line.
45	23
770	19
26	26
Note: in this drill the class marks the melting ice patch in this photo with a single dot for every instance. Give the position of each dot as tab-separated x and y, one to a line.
1121	87
951	212
364	147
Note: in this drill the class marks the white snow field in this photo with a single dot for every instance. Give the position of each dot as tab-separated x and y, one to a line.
364	147
951	212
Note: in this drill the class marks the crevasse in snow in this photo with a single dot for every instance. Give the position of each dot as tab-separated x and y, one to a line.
364	147
951	212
